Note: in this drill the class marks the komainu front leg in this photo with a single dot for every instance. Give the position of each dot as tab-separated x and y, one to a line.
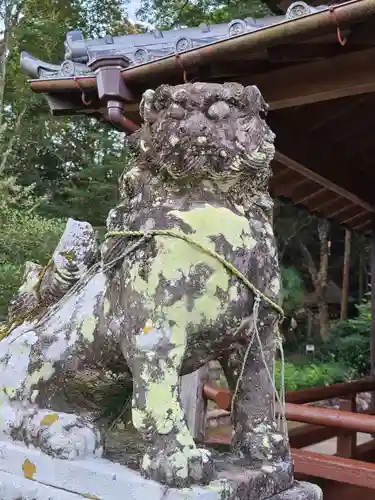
173	458
256	434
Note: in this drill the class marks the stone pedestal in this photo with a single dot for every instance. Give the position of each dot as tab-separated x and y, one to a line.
27	474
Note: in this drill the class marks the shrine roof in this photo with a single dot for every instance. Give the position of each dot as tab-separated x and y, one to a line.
314	66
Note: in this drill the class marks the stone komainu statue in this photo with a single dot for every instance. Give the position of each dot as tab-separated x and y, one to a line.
157	301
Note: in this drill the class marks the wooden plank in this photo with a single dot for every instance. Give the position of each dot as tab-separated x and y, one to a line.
330	78
343	470
193	401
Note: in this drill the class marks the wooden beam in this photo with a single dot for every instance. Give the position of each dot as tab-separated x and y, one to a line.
330	418
294	165
359	215
365	226
339	469
222	396
311	196
311	192
341	76
290	185
347	208
322	115
332	202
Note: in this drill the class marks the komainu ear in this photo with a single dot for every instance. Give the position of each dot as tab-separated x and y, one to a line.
145	108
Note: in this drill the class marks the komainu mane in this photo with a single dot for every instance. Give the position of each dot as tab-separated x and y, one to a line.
159	301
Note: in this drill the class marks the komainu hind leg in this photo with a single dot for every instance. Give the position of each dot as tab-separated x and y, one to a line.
173	458
256	434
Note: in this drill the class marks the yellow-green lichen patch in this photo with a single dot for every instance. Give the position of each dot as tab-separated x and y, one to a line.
44	373
212	221
88	327
106	306
275	286
49	419
161	401
179	464
185	439
68	254
176	257
10	391
29	469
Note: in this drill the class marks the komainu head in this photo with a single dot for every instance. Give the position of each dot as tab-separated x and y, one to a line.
205	132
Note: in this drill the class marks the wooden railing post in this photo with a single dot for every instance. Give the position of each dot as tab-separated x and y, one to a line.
347	440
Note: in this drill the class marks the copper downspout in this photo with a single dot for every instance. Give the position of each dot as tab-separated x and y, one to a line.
315	24
112	90
115	115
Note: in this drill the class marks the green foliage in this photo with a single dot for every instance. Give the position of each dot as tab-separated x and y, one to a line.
304	375
350	342
84	183
24	237
49	167
60	158
170	13
292	290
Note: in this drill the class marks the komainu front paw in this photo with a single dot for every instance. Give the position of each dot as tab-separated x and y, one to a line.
180	469
65	436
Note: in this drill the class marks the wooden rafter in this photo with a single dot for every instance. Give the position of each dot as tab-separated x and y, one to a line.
335	188
311	196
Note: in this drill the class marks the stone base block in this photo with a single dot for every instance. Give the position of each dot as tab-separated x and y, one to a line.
28	474
300	491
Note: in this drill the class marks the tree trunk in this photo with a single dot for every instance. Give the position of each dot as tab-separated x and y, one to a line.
345	278
361	276
323	229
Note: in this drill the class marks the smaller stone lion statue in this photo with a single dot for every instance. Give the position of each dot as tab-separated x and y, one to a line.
160	301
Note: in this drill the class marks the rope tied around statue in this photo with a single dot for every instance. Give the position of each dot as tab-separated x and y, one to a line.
258	298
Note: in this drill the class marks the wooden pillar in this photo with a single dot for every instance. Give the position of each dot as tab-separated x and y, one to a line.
345	277
193	402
